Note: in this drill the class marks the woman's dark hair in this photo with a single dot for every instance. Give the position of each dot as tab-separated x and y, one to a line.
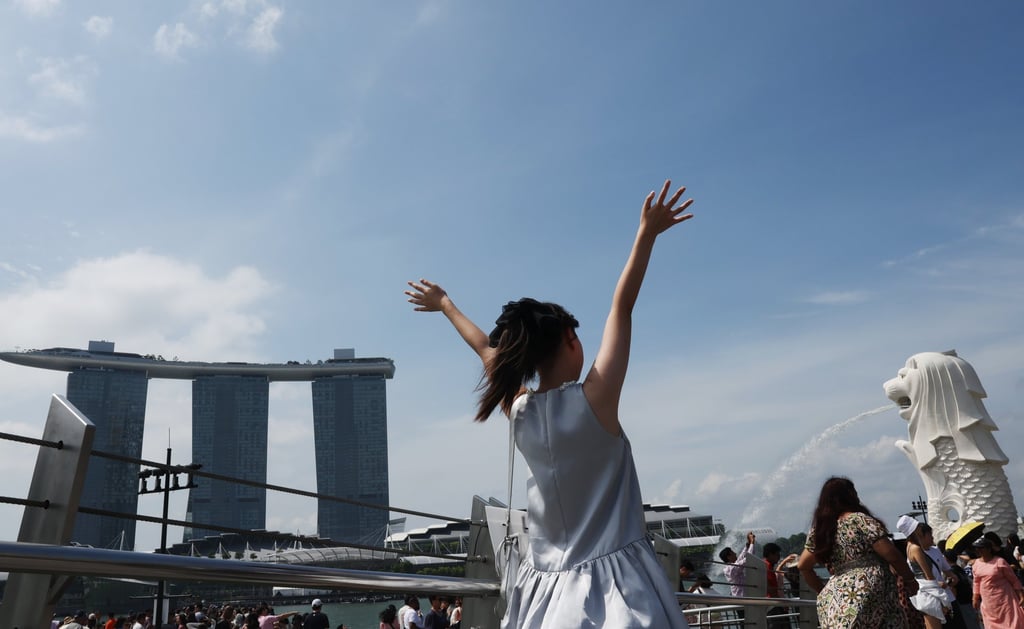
838	496
984	543
389	614
919	532
526	335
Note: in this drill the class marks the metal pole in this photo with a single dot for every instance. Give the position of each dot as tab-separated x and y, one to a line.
922	506
158	613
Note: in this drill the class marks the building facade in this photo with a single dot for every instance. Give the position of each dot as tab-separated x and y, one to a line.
229	437
115	401
351	447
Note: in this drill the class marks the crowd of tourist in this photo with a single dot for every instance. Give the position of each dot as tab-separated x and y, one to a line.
876	581
444	613
865	576
262	616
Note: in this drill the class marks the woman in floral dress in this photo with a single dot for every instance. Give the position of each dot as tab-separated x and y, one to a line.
856	548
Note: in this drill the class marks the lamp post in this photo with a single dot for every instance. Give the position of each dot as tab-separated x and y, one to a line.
163	485
921	505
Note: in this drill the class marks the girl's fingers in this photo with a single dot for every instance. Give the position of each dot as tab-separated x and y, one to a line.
664	191
648	200
682	208
675	197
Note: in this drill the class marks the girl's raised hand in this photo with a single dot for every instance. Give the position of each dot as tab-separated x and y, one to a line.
658	216
426	296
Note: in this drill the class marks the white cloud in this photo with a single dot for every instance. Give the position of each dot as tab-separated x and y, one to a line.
14	270
260	34
37	8
168	41
28	130
239	7
715	484
143	299
839	298
64	80
99	27
209	10
251	24
670	494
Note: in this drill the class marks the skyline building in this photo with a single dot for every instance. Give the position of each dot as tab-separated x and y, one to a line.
114	400
351	448
229	437
230	409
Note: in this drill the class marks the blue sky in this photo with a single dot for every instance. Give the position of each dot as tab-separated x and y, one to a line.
255	180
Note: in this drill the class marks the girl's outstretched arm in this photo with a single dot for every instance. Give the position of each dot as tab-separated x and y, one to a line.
430	297
603	384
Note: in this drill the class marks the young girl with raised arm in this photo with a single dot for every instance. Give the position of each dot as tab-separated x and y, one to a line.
590	563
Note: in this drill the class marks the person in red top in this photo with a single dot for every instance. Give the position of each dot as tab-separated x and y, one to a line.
772	552
112	622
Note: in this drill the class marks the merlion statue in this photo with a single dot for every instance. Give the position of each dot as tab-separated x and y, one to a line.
951	443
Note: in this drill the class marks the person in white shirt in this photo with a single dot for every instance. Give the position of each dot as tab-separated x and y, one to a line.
413	619
735	571
405	609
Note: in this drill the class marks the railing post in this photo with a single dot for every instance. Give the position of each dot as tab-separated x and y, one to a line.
808	617
59	476
756	574
479	613
668	557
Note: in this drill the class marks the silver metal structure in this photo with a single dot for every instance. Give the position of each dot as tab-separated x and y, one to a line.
58	478
101	562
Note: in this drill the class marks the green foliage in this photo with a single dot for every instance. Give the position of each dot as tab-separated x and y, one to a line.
792	544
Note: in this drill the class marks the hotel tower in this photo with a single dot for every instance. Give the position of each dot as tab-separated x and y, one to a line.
229	437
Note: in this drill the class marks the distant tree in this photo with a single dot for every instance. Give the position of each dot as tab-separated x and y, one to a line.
792	544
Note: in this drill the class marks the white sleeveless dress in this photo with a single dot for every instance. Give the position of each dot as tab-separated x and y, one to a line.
590	563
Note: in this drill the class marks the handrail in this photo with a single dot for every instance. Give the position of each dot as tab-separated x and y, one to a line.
101	562
739	601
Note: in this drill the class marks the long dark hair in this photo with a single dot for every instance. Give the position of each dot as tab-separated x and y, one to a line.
526	335
838	496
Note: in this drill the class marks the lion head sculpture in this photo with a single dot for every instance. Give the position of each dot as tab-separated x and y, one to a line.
940	395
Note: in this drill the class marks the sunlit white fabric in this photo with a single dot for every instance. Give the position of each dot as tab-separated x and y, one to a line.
590	563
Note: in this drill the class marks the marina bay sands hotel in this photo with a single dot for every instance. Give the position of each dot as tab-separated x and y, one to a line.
229	436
